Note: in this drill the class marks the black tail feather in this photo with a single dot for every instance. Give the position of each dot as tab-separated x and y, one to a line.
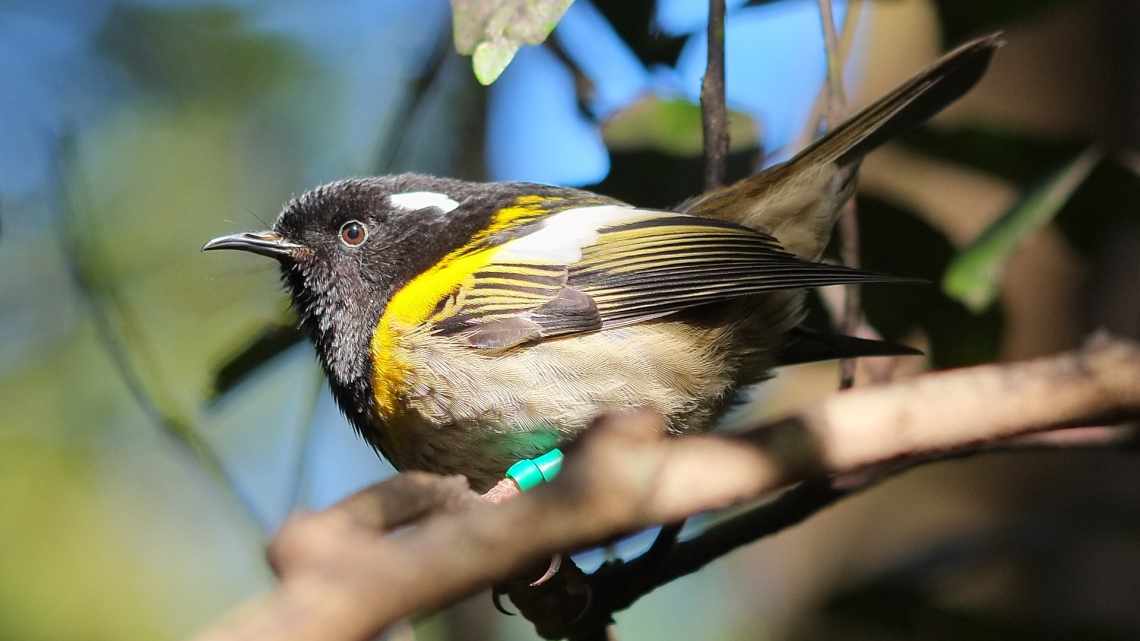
911	104
803	345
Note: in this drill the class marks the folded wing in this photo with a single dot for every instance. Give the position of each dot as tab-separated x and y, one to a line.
595	268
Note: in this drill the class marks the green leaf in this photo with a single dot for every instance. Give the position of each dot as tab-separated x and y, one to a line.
673	127
896	240
973	276
491	31
491	58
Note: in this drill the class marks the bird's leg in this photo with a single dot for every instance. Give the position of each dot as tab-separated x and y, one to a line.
504	490
525	475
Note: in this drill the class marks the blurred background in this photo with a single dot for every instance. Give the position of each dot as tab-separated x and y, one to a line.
161	416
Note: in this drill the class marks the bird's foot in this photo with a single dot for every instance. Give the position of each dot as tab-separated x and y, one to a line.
522	476
551	570
505	490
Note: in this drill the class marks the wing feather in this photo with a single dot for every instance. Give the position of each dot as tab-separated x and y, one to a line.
598	267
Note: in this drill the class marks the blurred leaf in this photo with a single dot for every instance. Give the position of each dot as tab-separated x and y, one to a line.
1108	199
1129	159
1106	206
973	276
652	46
491	31
652	178
672	126
1033	556
491	57
117	542
178	52
889	612
1012	155
897	241
961	19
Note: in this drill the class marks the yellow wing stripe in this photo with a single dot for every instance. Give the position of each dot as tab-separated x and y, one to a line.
660	230
545	271
493	293
673	250
642	263
504	306
618	249
512	282
608	241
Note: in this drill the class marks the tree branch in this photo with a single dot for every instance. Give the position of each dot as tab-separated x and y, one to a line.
417	93
714	112
819	107
836	98
418	542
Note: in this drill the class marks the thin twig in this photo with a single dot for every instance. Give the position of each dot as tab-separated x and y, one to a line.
818	113
584	88
714	123
714	112
418	91
836	98
848	218
790	508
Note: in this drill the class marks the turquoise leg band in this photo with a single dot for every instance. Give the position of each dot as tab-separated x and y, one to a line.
532	472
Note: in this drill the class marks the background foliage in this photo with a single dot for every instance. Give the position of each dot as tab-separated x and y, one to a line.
161	415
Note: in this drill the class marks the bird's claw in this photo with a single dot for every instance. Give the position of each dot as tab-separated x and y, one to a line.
497	599
551	570
505	490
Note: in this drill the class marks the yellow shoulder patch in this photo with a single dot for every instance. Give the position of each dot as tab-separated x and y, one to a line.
412	305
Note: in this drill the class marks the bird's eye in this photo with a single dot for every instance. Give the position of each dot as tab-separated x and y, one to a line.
353	233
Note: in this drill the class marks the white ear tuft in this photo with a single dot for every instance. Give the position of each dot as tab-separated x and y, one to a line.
415	200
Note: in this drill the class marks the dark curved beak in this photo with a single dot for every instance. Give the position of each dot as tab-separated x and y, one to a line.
266	243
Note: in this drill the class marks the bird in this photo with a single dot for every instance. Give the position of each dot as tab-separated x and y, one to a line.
464	326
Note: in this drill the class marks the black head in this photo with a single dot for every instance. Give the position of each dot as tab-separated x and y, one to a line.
346	247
